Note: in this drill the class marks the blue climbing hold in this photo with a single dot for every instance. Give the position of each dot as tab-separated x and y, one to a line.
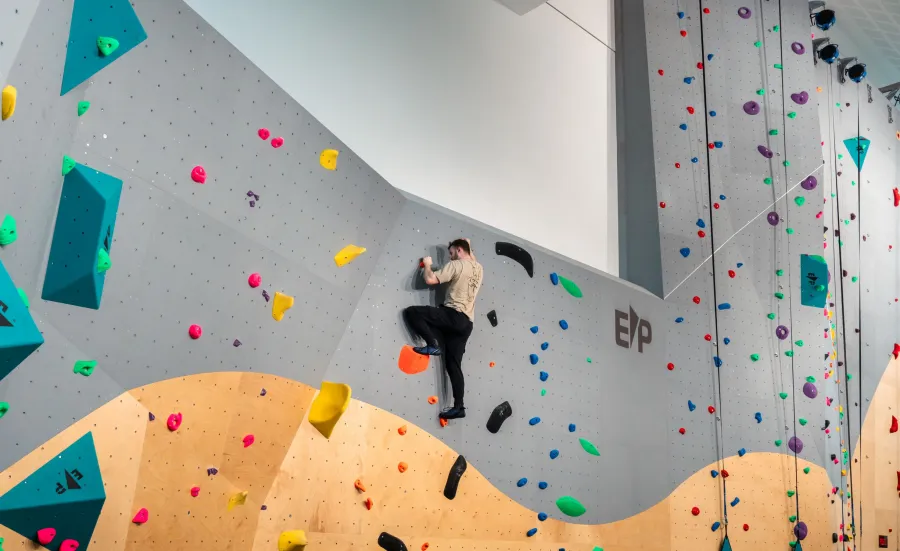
726	340
695	160
718	361
741	452
542	517
679	319
554	454
714	473
534	421
532	532
544	375
681	15
545	345
701	223
685	252
725	306
522	482
712	113
534	329
688	80
542	485
739	264
564	324
571	427
533	358
554	279
721	197
735	501
719	145
709	57
691	405
758	417
716	525
682	126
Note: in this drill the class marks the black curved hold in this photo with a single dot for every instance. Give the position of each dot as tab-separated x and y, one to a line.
492	317
500	414
518	254
456	472
834	537
391	543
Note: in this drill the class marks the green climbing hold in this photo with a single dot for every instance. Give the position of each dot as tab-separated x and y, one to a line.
810	379
802	421
799	343
107	45
820	287
849	376
789	353
103	261
793	544
771	315
779	295
778	443
786	163
68	164
8	230
854	279
799	200
24	298
589	360
846	222
783	395
773	132
778	66
767	181
760	92
792	518
754	357
589	446
840	155
570	286
791	493
543	392
852	183
4	408
806	470
570	506
84	367
779	272
597	548
758	44
792	115
776	28
790	231
83	107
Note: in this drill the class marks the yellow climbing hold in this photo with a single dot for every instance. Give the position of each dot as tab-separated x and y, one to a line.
237	499
328	159
347	255
330	403
281	304
291	540
8	103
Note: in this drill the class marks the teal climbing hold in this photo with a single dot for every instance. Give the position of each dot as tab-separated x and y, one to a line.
589	446
570	286
858	148
19	336
66	493
85	223
570	506
8	233
89	48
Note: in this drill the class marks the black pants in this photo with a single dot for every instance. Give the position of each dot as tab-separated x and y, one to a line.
447	329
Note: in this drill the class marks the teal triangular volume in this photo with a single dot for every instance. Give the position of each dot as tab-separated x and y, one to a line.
66	494
813	274
19	336
92	19
85	222
858	148
798	547
726	544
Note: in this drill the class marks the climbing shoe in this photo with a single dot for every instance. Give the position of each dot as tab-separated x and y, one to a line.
453	413
427	350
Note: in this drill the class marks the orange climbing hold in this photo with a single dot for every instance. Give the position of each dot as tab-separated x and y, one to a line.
402	430
443	422
492	364
410	362
425	546
402	466
369	503
359	485
432	400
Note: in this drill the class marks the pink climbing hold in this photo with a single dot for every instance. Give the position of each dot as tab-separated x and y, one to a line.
896	197
46	535
248	440
195	331
174	421
68	545
198	175
142	516
277	142
263	133
254	280
195	491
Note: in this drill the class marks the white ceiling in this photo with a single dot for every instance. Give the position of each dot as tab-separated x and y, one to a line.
870	30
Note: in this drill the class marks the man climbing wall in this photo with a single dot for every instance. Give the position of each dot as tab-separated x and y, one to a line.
446	328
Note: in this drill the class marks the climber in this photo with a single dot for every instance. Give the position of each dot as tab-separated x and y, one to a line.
446	328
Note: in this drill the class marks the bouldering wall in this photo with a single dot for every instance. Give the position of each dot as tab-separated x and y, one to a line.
628	411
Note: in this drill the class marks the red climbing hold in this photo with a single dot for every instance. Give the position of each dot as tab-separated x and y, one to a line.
746	527
369	503
696	300
248	440
681	430
732	274
661	72
707	337
896	197
898	480
277	142
195	491
695	511
46	535
700	65
896	350
254	280
711	145
683	33
701	233
724	473
662	204
142	516
174	421
690	110
198	175
706	10
711	409
263	133
195	331
894	424
716	206
677	165
670	366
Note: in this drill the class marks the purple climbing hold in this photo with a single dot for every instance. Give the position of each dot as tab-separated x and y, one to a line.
801	531
266	295
772	217
237	343
798	48
795	444
751	108
765	151
744	12
810	183
262	392
782	332
801	98
211	471
810	390
152	417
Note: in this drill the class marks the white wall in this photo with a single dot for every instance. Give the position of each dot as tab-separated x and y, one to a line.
507	119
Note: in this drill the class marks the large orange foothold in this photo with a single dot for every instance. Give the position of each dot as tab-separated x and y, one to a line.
281	304
432	400
359	485
402	466
369	503
410	362
402	430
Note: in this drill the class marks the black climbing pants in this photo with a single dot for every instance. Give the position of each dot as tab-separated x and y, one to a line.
449	330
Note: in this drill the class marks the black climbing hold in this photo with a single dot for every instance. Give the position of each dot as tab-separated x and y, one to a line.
391	543
827	424
500	414
492	317
834	537
518	254
456	472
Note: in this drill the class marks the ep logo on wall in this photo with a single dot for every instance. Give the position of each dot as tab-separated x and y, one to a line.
629	326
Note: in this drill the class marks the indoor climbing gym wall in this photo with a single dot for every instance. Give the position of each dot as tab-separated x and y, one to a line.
201	333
